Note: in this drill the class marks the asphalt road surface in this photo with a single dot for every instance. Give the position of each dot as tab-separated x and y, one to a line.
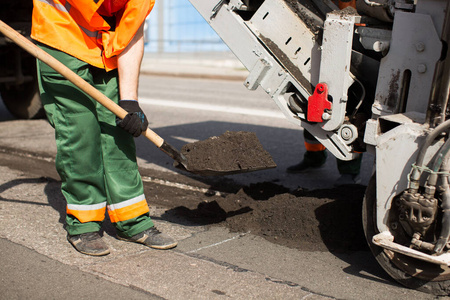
211	261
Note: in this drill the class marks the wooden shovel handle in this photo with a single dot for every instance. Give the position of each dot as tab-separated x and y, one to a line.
55	64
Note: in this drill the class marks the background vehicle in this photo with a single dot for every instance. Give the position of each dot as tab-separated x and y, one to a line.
18	81
373	78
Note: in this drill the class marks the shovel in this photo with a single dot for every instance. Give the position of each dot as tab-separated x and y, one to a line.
206	163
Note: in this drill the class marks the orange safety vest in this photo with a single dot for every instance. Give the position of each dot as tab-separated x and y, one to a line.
76	28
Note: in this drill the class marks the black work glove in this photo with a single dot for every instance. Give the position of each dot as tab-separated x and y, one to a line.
135	122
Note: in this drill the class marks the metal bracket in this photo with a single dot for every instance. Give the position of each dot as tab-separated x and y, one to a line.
257	73
335	63
386	240
237	5
414	50
331	140
318	104
374	38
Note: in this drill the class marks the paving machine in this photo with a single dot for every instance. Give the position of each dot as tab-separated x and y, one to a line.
364	75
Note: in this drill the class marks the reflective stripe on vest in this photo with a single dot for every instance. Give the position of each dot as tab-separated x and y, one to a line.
60	25
64	8
87	213
91	34
128	209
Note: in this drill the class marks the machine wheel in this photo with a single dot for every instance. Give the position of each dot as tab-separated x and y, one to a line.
410	272
23	101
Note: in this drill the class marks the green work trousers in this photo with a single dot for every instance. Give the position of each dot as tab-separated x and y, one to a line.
95	159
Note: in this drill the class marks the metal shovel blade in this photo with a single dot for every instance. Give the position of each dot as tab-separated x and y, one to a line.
230	153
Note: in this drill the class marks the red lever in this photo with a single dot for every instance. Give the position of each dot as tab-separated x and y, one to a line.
318	103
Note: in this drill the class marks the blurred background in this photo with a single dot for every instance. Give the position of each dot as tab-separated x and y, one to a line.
175	26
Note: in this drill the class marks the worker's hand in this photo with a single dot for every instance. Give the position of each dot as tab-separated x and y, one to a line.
135	122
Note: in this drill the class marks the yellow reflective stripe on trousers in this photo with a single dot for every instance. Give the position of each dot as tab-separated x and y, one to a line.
128	209
87	213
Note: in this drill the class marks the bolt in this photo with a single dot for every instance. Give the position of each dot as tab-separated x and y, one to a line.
420	47
421	68
346	133
326	116
257	52
320	89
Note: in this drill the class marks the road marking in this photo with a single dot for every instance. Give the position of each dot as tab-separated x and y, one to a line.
211	107
219	243
183	186
184	139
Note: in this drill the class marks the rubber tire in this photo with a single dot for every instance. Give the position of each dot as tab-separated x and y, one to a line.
440	288
23	101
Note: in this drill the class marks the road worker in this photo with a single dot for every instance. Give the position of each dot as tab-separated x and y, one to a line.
101	41
316	156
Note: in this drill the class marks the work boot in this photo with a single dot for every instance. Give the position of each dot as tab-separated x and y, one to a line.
311	160
347	179
152	238
90	243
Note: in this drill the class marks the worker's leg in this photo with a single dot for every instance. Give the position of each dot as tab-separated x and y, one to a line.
349	170
78	160
127	206
314	157
350	166
96	161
